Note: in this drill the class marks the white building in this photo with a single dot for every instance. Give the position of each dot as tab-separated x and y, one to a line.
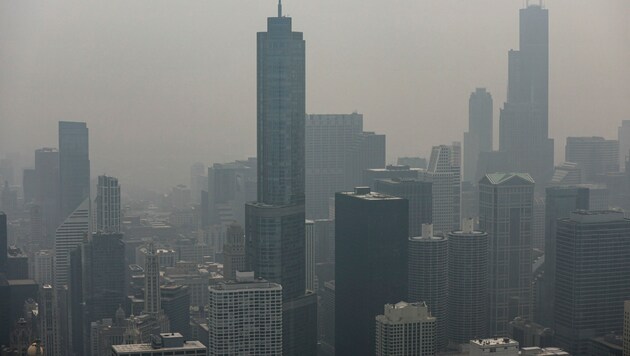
405	329
108	215
245	317
494	346
444	172
43	267
70	235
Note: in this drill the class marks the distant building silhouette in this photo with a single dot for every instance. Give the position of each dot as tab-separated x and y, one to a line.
593	155
524	121
74	166
479	136
108	212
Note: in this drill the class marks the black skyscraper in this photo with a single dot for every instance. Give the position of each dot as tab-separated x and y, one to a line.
371	232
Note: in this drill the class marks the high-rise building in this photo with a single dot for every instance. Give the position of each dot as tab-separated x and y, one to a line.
176	305
566	173
104	272
592	277
371	233
69	236
479	135
74	166
162	345
152	297
4	241
560	202
524	121
29	184
594	156
623	136
444	173
428	277
43	264
48	323
626	327
413	162
230	186
274	224
505	212
47	191
233	252
467	284
108	214
198	181
406	329
245	317
369	152
330	141
420	198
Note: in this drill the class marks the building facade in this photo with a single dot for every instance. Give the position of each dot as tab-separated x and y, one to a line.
69	236
594	156
444	173
371	233
420	196
108	213
74	166
245	317
592	277
406	329
428	277
505	212
467	284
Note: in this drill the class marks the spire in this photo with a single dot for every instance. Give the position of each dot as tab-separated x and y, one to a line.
279	8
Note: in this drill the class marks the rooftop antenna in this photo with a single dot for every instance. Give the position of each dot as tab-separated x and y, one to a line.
279	8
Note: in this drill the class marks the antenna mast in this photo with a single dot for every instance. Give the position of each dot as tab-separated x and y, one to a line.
279	8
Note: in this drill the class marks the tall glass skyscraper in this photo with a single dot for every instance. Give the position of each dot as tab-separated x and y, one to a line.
275	224
74	166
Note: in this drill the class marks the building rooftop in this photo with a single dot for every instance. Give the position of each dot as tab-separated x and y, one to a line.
187	345
497	341
596	216
367	194
498	178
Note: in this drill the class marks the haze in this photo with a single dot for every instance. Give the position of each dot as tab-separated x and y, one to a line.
163	84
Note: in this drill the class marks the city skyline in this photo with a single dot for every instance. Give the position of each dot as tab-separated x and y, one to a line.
424	95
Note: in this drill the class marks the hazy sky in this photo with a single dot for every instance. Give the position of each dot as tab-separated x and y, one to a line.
165	83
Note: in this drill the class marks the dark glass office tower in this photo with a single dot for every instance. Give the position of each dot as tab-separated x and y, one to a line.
592	277
47	191
371	233
524	121
560	202
74	166
104	275
275	224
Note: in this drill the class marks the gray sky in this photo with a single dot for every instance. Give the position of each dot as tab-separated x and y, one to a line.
165	83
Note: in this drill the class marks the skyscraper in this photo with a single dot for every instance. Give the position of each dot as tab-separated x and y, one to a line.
245	317
233	251
467	284
592	277
479	136
176	304
69	236
623	136
626	327
560	202
406	329
47	191
4	240
74	166
444	173
371	233
310	255
48	323
506	202
104	276
524	121
108	214
274	225
152	298
428	277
